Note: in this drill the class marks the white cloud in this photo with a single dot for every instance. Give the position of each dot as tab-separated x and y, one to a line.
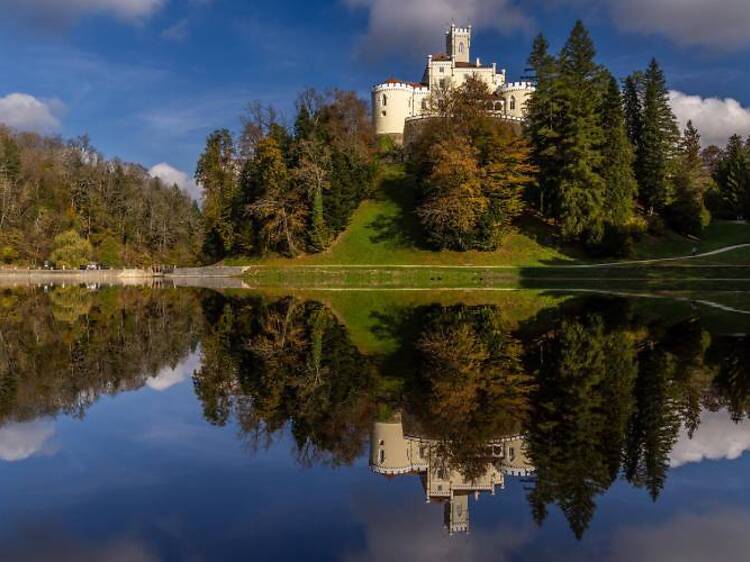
716	119
27	113
716	438
416	26
719	24
169	377
56	12
170	175
20	441
720	535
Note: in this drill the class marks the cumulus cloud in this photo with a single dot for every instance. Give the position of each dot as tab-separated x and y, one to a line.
56	12
720	535
716	119
27	113
718	24
20	441
171	175
169	377
416	25
717	438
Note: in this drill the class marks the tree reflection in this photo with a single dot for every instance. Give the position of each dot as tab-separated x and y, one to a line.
288	361
60	350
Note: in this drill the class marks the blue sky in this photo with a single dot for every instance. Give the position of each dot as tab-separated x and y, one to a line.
149	79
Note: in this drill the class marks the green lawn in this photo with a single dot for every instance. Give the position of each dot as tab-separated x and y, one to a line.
384	232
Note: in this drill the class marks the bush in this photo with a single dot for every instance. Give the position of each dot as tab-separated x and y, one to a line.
688	216
70	251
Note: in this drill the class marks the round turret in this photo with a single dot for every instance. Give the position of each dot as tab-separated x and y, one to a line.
516	96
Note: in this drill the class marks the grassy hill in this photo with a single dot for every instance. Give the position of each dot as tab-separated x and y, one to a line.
384	231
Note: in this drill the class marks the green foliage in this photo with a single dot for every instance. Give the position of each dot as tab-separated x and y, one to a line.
617	160
216	173
287	192
657	137
48	186
472	170
70	251
732	176
109	252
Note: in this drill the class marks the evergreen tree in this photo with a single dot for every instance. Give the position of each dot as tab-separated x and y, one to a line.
688	214
216	173
657	146
733	178
542	126
633	104
581	188
617	159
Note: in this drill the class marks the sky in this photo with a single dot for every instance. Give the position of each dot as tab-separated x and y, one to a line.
148	80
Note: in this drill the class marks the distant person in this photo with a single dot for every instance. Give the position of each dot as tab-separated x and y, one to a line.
695	251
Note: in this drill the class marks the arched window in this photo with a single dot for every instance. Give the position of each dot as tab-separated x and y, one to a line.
512	103
381	457
461	47
424	104
385	100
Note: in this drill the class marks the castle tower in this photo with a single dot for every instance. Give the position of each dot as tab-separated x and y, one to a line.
458	43
456	514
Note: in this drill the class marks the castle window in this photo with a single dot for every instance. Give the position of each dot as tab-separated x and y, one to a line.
442	70
385	100
384	113
512	103
381	458
424	104
460	47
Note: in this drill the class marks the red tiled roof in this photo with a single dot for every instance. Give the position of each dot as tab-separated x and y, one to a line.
440	57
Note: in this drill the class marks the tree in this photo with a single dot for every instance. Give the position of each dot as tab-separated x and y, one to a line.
542	127
658	143
70	250
279	209
581	189
688	214
217	174
453	203
617	159
733	178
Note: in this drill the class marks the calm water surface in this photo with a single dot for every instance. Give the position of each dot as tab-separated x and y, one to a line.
177	424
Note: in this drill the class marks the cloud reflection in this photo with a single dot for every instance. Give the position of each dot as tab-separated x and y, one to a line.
717	438
20	441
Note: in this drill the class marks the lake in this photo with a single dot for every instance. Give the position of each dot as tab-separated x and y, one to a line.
170	424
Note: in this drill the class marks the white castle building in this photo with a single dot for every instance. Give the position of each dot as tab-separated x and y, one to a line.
395	453
396	102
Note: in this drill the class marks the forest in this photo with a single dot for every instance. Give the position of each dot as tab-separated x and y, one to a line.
601	160
601	387
64	203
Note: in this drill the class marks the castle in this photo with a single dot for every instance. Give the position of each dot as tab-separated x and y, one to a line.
394	452
396	103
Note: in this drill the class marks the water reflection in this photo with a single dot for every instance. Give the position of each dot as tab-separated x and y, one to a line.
562	398
396	452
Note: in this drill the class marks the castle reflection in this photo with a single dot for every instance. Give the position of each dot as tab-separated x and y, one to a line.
397	451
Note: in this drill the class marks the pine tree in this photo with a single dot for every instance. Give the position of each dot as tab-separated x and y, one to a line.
688	213
617	159
633	104
216	173
542	126
657	146
581	188
733	178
